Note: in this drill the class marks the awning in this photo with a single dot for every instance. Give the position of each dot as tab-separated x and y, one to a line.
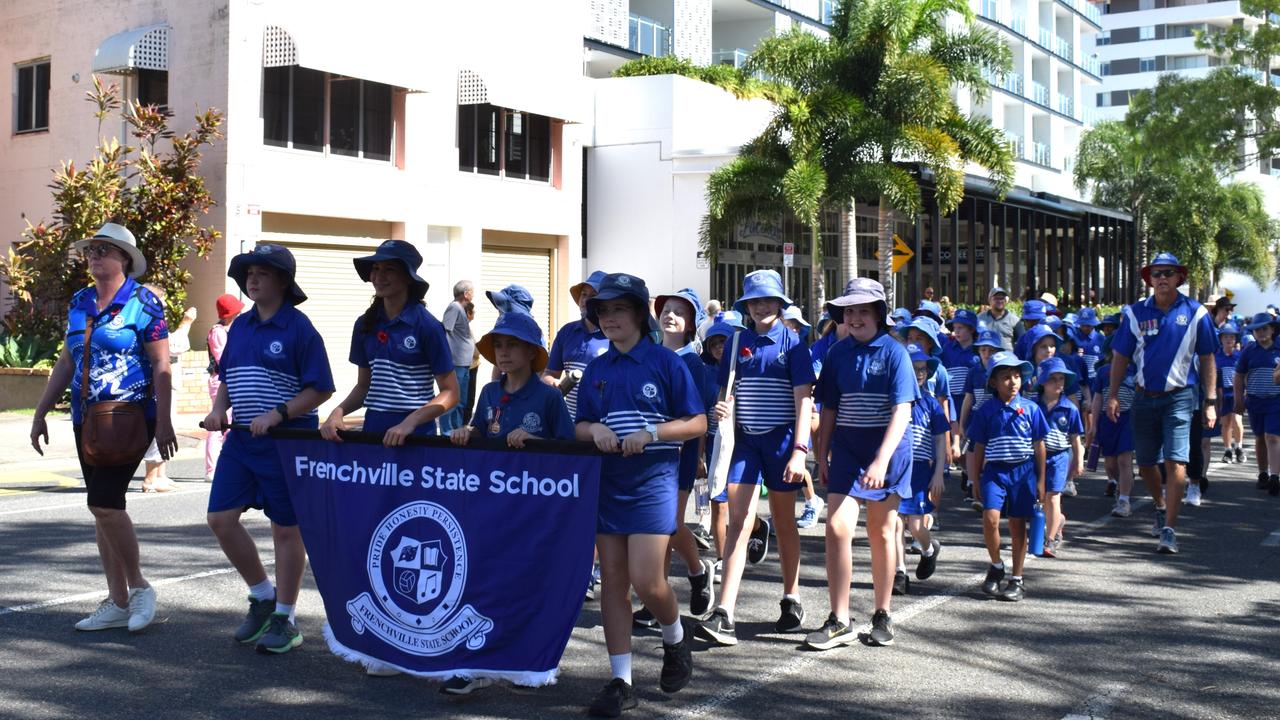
385	58
145	48
526	91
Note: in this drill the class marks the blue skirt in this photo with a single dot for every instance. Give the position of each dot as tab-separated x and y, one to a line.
638	494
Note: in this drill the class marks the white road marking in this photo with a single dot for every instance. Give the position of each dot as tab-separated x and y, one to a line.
1272	540
1099	706
133	497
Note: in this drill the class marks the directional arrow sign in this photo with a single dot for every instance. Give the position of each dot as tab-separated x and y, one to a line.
902	253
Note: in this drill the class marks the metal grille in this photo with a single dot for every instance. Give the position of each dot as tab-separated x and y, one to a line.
278	48
471	89
152	50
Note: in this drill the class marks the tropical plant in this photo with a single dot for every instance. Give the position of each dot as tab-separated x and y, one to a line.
855	113
156	193
27	351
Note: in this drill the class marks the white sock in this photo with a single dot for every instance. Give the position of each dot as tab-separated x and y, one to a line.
620	666
702	570
673	633
282	609
1017	577
1124	498
791	596
928	550
902	567
263	590
728	611
998	565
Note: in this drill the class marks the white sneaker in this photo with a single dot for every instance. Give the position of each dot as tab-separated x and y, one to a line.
1070	489
377	669
107	616
719	571
1122	508
1193	494
142	608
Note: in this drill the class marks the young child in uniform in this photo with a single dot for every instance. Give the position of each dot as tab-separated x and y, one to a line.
1008	434
1115	439
638	404
1079	392
1064	456
1226	358
1260	394
274	370
960	357
864	455
928	431
976	393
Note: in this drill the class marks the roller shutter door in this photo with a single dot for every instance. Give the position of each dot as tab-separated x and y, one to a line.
500	267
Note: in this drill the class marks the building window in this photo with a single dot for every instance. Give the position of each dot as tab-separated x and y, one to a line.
153	88
1103	38
1147	32
296	101
1104	68
1104	99
1146	4
497	141
1146	64
32	111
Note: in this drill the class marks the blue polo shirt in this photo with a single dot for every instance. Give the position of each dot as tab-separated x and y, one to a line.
959	361
404	356
1226	365
865	381
1008	430
976	385
1064	421
1256	365
536	406
119	368
927	422
1162	344
266	363
573	348
819	349
648	385
704	379
1084	378
939	385
1126	391
770	367
1090	345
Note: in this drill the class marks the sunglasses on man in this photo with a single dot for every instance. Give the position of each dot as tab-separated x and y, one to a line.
1163	273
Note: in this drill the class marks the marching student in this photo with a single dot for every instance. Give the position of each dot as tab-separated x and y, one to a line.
1089	341
867	389
1114	437
1227	358
401	351
1008	434
274	372
772	406
516	407
1260	394
929	428
1034	312
989	343
638	404
1080	392
1064	457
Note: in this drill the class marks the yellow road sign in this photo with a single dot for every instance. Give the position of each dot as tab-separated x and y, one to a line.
902	253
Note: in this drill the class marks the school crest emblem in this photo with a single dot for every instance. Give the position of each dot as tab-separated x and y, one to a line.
116	323
276	347
1181	320
875	366
649	390
410	342
624	280
531	423
417	564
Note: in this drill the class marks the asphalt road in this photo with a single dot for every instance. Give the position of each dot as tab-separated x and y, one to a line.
1109	630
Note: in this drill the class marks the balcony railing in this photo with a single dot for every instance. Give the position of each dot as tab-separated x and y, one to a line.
990	9
737	58
649	37
1015	144
1011	82
1065	105
1040	153
1039	93
1092	64
1062	48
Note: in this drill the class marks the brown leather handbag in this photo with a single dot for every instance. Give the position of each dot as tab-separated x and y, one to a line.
114	433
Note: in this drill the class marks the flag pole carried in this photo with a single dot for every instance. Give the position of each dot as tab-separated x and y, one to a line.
722	450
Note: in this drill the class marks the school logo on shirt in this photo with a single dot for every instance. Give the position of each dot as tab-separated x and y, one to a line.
410	342
1182	320
417	570
531	423
1062	423
875	366
276	347
649	390
116	323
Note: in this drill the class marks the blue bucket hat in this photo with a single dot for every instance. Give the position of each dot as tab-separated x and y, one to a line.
592	281
964	317
761	284
1261	319
512	298
930	309
1087	316
1229	329
1008	359
690	296
989	338
520	326
1038	333
1057	366
925	325
1053	322
272	256
900	316
621	286
1113	320
395	251
918	354
793	313
1164	258
859	291
1034	310
733	319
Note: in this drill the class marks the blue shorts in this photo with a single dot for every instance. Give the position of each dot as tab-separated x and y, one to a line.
638	494
1162	427
249	475
1228	403
918	503
723	497
377	421
762	456
852	450
1264	416
1009	488
1056	467
688	466
1115	438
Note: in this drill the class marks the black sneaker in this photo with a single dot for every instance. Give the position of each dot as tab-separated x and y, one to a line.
458	685
991	585
1111	488
1239	456
1228	457
1012	591
758	545
964	483
1273	487
613	699
281	636
833	633
792	616
677	665
703	538
642	619
256	620
881	629
901	583
1264	480
701	588
718	628
929	563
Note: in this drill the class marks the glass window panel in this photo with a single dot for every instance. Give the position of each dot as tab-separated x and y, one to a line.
26	97
488	126
42	96
377	130
153	87
344	116
539	147
308	109
467	137
275	106
517	160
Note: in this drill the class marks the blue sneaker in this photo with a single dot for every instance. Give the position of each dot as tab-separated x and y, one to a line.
280	637
808	518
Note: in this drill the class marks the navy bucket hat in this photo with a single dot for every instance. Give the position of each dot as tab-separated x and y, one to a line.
1057	366
1261	320
1163	259
918	354
395	251
761	284
520	326
512	298
690	296
964	317
272	256
621	286
925	325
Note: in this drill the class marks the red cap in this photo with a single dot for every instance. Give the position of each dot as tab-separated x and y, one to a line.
228	306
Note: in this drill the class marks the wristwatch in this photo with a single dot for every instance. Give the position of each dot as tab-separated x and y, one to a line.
283	409
652	430
1210	400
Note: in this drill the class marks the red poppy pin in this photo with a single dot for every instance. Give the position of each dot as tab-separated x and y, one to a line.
382	336
745	352
506	399
1021	409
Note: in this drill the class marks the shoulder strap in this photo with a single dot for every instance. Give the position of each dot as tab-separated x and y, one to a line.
88	348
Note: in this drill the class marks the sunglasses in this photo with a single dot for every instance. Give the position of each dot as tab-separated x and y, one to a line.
1163	273
98	250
